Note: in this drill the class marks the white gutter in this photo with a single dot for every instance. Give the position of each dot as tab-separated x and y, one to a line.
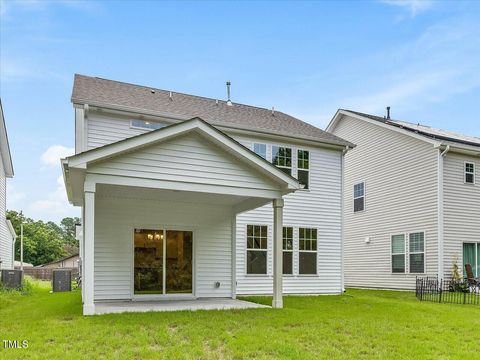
440	219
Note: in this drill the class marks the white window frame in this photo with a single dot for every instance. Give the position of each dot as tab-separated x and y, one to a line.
424	252
465	172
266	149
405	255
132	126
291	250
308	251
291	158
358	197
247	249
302	169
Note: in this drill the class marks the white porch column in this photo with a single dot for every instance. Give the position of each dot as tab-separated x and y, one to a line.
89	252
277	253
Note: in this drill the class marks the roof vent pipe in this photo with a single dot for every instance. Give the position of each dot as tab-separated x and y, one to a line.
388	112
273	111
229	102
170	95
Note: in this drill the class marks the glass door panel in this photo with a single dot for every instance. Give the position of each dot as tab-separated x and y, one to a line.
179	257
148	261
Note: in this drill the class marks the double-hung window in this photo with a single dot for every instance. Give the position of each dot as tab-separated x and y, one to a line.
282	158
469	173
307	242
260	149
257	244
359	197
398	253
303	165
288	250
416	251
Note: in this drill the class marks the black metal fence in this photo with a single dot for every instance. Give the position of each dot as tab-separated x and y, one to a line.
447	291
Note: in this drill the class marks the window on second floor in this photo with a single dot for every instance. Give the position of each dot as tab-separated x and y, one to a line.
260	149
144	124
359	197
282	158
303	165
469	173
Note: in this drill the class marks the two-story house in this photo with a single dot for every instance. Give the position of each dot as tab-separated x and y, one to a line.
7	233
412	201
186	197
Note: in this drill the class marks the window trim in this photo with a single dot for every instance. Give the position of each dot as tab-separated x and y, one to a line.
308	251
291	167
465	173
247	249
145	128
405	255
290	251
424	252
364	196
302	169
266	149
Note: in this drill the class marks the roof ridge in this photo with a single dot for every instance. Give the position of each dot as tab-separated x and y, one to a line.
182	93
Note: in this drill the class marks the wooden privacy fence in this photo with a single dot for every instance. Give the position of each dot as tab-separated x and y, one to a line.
447	291
46	273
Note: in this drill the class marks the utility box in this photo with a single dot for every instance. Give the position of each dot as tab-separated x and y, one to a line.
12	279
62	280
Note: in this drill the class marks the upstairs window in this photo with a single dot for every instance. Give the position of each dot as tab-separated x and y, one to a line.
469	173
282	158
416	251
288	250
144	124
260	149
359	197
257	243
398	253
303	167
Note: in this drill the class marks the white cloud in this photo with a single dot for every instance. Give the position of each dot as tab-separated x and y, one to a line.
51	157
54	205
413	6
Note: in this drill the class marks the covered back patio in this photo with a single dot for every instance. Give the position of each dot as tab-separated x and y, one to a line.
159	214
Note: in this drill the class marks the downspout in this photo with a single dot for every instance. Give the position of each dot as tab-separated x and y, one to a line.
342	217
440	219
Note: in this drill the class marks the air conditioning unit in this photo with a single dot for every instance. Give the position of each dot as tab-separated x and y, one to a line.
12	279
62	280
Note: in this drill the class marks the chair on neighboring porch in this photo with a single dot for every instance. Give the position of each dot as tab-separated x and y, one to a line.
473	282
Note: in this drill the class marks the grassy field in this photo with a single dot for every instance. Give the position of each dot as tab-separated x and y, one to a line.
360	324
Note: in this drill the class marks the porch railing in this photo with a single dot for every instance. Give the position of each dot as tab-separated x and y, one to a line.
447	291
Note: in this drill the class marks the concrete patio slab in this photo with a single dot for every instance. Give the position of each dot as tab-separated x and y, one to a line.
112	307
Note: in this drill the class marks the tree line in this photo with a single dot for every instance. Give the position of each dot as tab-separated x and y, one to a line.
44	242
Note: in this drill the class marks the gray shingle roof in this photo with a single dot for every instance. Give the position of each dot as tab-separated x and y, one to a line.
427	131
103	92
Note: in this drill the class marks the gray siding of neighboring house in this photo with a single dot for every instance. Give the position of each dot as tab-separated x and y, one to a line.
400	175
461	208
6	245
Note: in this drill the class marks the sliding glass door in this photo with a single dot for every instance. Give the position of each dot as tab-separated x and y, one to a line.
163	261
471	255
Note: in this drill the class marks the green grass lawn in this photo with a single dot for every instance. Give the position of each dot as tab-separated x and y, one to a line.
360	324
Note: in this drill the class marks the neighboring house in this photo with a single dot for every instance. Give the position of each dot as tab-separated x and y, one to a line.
7	232
18	265
70	262
177	193
412	201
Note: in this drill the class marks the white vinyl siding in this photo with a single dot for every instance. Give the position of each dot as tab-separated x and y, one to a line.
401	176
318	208
461	208
6	241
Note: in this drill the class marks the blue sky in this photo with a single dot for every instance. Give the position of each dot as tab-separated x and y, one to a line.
305	58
